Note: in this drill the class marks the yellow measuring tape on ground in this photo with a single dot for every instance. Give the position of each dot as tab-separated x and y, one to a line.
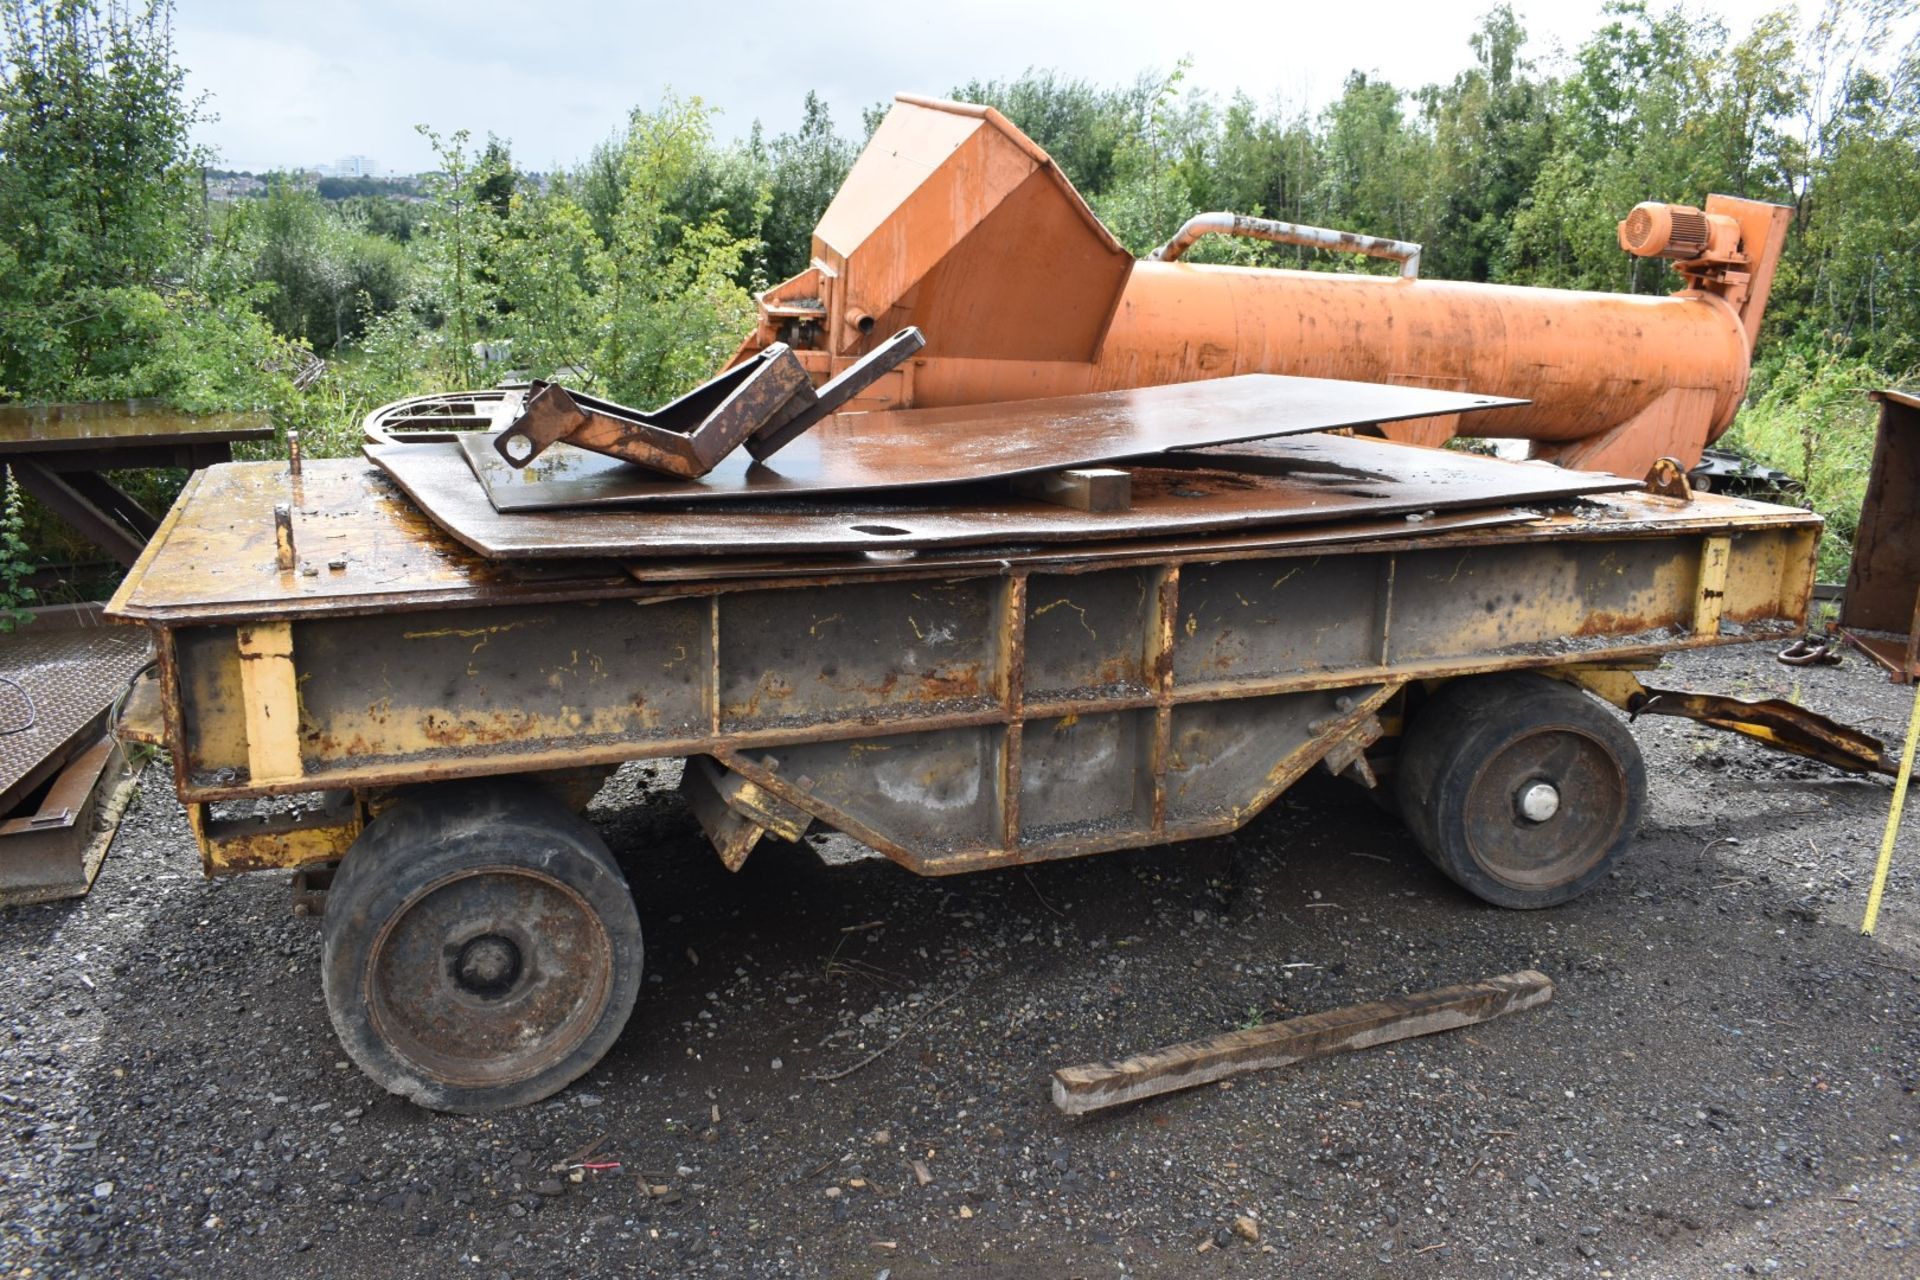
1893	818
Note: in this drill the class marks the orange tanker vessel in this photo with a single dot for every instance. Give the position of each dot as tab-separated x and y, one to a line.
954	221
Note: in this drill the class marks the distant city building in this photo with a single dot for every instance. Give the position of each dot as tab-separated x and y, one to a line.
233	186
349	167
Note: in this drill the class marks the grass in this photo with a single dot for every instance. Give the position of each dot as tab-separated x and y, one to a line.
1814	420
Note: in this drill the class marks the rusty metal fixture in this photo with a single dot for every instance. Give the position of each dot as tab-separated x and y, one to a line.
1668	479
954	221
444	415
767	404
1780	724
890	453
835	393
1880	611
686	438
1773	722
314	834
1808	652
1200	225
284	557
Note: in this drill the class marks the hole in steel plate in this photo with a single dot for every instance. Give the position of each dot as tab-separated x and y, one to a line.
880	530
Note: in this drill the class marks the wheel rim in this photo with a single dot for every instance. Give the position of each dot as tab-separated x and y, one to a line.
1546	808
489	976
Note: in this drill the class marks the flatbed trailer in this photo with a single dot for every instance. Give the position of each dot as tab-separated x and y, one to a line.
432	721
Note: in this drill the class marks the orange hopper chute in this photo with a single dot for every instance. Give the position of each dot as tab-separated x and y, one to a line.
955	221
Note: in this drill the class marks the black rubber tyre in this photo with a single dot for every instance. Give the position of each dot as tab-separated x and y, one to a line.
481	948
1520	787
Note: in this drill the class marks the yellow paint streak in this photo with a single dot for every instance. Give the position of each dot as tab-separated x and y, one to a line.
464	633
486	634
1045	609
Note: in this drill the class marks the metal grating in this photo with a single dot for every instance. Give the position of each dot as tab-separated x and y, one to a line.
59	674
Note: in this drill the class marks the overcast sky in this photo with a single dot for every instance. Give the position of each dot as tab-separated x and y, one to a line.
298	85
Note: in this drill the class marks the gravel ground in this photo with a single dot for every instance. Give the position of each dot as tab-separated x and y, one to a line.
1722	1085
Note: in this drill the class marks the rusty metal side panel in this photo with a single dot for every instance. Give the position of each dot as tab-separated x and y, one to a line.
1884	579
212	738
433	687
1029	677
1085	776
1560	597
1085	783
916	797
884	650
1255	618
1229	759
1769	576
1089	633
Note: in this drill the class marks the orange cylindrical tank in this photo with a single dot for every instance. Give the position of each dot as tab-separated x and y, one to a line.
1586	361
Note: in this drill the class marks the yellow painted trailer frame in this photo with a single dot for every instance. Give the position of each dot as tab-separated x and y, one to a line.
1047	705
331	666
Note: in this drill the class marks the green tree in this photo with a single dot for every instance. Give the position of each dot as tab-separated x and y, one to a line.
1491	131
1081	125
326	273
548	261
1851	282
670	299
804	170
99	195
15	556
460	233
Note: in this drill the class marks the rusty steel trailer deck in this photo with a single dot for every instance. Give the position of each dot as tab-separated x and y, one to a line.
1003	709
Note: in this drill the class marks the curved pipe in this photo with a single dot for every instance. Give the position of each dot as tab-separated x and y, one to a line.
1406	253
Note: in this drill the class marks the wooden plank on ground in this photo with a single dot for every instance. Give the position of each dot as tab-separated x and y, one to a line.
1182	1066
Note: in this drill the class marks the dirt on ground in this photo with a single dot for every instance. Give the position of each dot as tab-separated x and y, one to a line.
838	1069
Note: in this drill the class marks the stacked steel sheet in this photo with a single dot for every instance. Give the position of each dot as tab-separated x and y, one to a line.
1233	456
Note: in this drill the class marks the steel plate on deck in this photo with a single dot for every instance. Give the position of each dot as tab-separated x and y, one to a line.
62	672
911	448
1303	480
358	545
654	571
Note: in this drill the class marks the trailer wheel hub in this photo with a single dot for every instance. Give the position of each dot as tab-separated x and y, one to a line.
488	965
489	975
1539	801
